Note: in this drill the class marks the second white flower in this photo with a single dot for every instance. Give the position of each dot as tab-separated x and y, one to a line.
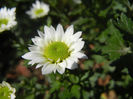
39	9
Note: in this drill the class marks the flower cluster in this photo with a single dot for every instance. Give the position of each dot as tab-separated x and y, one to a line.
8	16
6	91
54	50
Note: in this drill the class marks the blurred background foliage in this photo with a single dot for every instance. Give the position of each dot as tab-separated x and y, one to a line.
107	27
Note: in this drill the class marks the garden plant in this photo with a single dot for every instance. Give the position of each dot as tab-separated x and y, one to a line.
66	49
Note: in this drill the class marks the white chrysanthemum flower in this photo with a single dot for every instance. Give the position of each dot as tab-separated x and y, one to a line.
39	9
56	50
7	18
6	91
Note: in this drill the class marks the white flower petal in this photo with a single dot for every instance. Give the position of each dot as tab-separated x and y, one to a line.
68	36
48	33
59	33
69	32
39	59
34	57
38	66
13	96
33	48
74	58
77	46
31	63
71	64
40	34
80	55
38	41
31	55
48	68
63	64
60	69
76	36
52	29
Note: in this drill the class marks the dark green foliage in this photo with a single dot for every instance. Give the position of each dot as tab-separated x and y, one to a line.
107	27
125	23
114	43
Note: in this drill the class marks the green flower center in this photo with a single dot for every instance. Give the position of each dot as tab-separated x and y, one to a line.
39	11
3	21
56	50
5	92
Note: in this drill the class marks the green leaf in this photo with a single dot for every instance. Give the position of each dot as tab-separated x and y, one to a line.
31	96
119	6
93	79
65	94
80	21
85	94
52	2
103	36
85	76
104	62
74	78
125	23
75	12
103	13
108	68
115	44
55	86
88	64
98	58
49	21
75	91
